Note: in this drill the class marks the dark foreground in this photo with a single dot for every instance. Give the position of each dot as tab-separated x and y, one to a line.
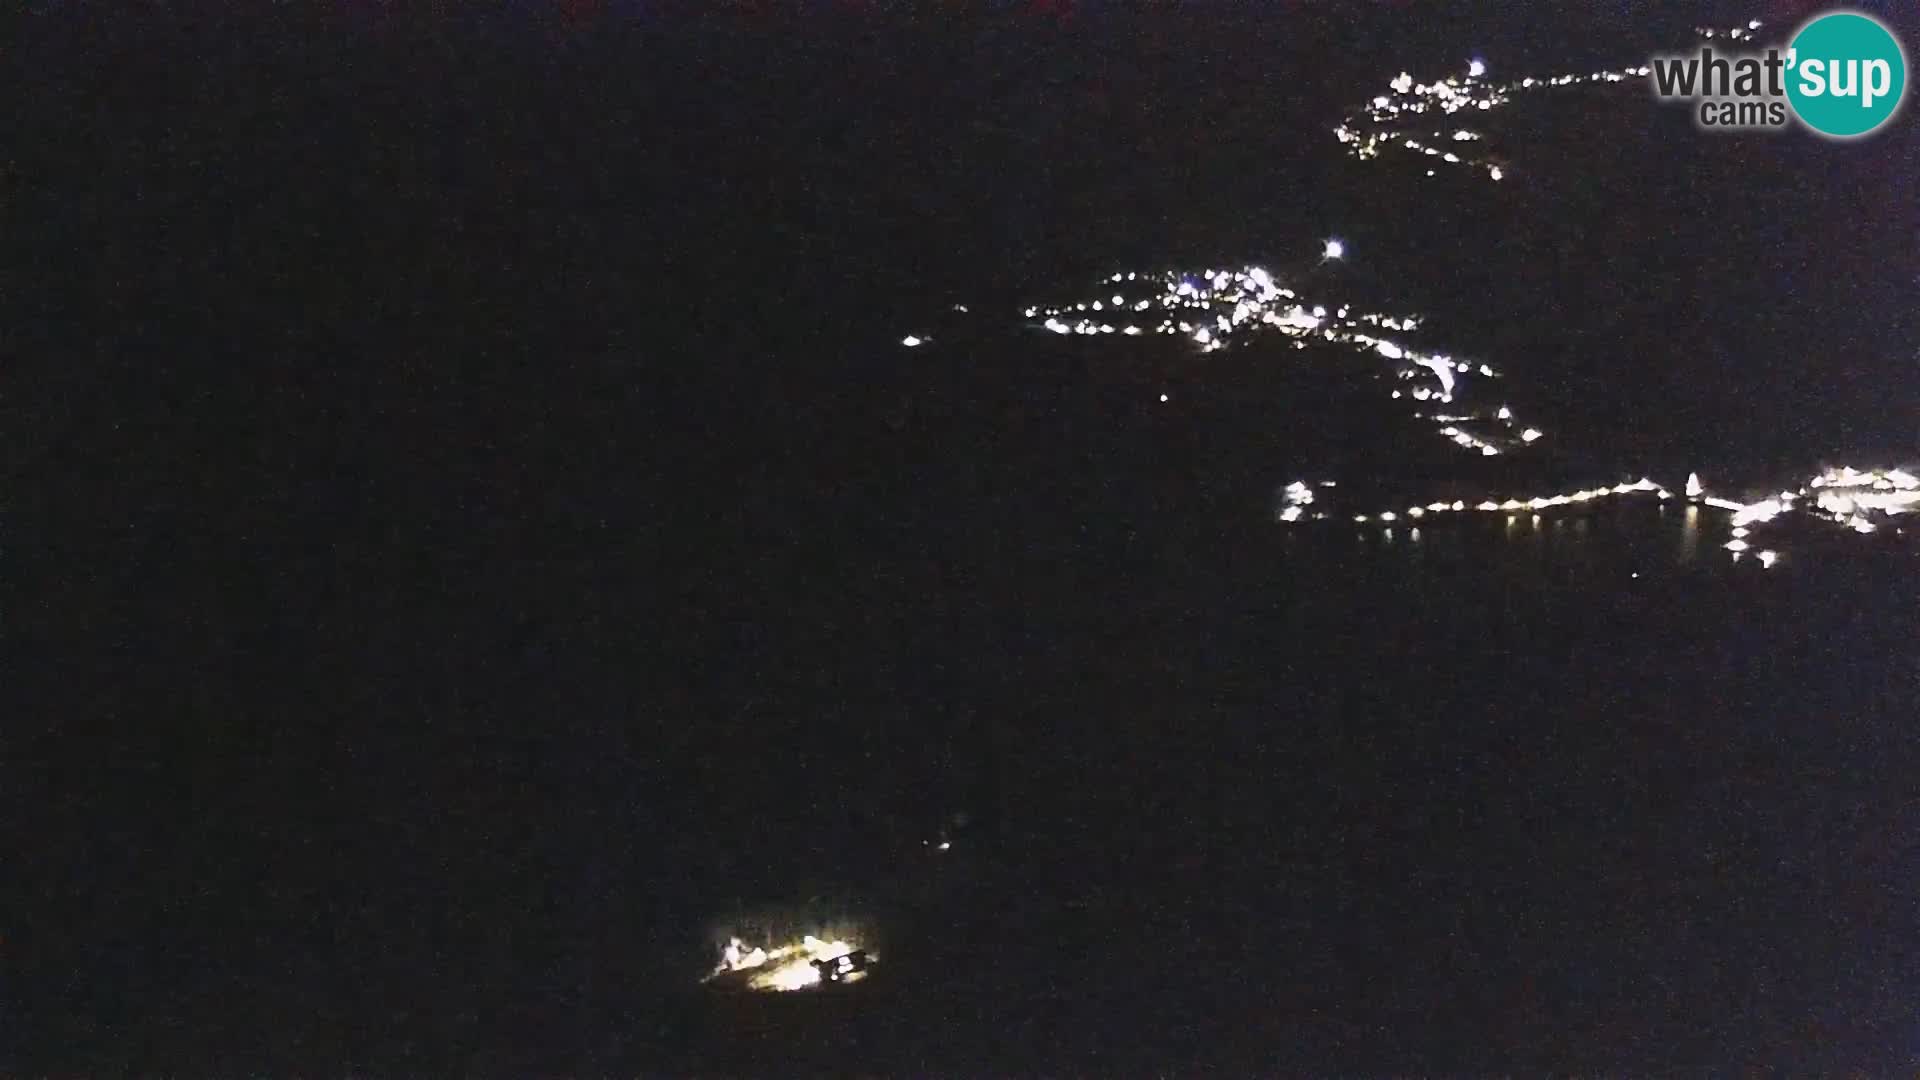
1450	814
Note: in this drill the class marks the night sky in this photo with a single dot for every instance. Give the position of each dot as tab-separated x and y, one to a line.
473	536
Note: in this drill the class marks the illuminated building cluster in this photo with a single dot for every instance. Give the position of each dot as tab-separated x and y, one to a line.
1416	117
794	966
1861	501
1215	307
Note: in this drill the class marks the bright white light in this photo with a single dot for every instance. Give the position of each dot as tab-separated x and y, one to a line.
1163	399
1441	370
910	341
1476	69
793	963
1495	173
1334	249
1695	488
1530	434
1764	510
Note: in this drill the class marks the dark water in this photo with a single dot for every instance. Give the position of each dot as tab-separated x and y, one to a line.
473	530
1498	794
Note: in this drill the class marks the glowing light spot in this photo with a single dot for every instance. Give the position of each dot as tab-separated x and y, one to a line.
1334	249
787	967
911	341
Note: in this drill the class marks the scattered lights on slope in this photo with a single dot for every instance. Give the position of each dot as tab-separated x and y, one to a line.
788	967
1405	118
1215	308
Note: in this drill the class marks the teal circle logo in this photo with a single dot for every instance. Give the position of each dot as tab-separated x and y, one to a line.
1846	75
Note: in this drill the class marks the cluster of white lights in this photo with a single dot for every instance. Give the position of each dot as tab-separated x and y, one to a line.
1855	499
1214	307
786	967
1404	118
1861	500
1295	498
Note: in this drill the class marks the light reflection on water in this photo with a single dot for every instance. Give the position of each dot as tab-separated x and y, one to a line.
1625	539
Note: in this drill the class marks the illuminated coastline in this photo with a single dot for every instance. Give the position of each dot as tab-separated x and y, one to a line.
1215	309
